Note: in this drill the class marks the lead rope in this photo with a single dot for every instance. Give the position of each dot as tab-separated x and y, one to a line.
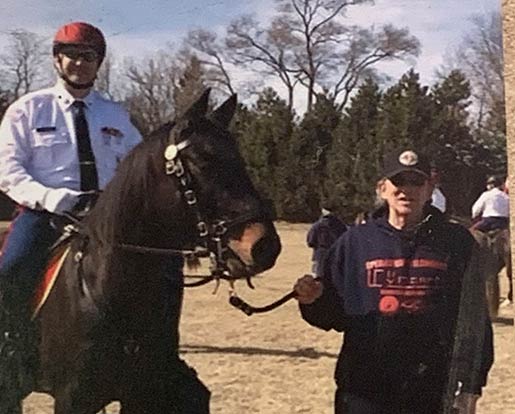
249	310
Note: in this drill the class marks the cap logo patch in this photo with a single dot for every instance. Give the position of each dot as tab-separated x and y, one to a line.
408	158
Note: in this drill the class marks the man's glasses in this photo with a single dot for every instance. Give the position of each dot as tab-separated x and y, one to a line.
413	179
89	55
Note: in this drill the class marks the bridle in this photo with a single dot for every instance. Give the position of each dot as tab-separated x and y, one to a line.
211	239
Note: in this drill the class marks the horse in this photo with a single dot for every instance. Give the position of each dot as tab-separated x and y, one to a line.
108	330
495	249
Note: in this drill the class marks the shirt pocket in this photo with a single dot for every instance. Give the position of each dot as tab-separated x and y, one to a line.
48	145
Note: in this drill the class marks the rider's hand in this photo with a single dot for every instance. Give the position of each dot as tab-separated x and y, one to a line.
85	203
465	403
308	289
59	200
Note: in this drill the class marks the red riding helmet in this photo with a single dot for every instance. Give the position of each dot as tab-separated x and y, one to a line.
80	33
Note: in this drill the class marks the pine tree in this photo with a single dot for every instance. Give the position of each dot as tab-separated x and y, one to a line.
190	85
406	114
304	172
263	133
463	157
355	156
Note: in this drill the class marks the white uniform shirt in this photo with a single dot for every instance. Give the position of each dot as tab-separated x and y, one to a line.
39	164
492	203
438	200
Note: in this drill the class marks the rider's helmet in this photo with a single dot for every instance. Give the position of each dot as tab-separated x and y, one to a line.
80	33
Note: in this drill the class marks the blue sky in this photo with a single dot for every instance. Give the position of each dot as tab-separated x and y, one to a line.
139	28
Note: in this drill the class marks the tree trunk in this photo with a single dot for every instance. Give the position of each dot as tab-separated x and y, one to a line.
508	8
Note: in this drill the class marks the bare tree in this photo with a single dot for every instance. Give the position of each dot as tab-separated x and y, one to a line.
189	85
366	47
211	54
308	43
150	91
480	57
271	51
107	78
26	62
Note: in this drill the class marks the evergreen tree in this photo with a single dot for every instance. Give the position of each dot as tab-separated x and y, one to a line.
304	172
263	133
453	149
190	85
406	114
355	156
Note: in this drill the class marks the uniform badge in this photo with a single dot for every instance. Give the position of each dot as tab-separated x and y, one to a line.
112	132
108	133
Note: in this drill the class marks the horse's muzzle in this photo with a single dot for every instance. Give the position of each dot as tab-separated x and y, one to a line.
265	251
257	248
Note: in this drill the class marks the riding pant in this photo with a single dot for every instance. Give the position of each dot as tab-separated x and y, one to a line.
25	252
492	223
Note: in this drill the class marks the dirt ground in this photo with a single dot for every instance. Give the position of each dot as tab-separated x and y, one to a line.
275	363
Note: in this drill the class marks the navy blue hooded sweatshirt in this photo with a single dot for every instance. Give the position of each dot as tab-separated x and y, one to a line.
396	296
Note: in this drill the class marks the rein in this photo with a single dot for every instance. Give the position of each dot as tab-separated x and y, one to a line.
210	238
249	310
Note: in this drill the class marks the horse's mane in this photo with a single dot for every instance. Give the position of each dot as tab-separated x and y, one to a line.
126	195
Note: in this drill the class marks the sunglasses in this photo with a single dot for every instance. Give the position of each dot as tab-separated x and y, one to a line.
89	55
415	179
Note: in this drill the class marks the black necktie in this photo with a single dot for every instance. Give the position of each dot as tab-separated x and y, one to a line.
88	169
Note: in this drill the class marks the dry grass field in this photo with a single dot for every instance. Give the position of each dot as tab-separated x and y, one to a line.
275	363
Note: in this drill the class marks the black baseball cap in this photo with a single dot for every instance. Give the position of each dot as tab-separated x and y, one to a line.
399	161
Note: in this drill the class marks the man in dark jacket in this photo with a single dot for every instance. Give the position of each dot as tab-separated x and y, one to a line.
322	234
394	286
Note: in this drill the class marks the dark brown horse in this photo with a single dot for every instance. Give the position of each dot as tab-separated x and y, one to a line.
109	329
495	251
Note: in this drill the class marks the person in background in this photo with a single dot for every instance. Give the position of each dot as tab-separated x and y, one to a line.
492	208
393	286
438	199
322	234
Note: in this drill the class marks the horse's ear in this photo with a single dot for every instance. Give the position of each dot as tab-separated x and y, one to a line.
199	108
223	114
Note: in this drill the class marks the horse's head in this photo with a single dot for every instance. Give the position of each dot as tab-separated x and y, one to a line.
203	192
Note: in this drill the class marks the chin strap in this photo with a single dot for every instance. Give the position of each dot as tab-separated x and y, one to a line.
73	84
76	85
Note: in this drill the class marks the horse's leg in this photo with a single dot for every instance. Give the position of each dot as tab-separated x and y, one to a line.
175	389
11	407
509	275
493	294
184	392
75	398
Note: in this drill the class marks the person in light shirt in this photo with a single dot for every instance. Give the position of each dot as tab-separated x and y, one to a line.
438	199
492	208
45	167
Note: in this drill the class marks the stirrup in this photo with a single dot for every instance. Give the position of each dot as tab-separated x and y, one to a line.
18	365
10	344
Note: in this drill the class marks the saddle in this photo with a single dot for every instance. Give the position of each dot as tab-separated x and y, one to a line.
19	335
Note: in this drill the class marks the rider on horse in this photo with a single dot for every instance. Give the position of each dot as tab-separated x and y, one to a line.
59	147
492	207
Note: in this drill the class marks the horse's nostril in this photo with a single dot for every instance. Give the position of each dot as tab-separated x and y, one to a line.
265	251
